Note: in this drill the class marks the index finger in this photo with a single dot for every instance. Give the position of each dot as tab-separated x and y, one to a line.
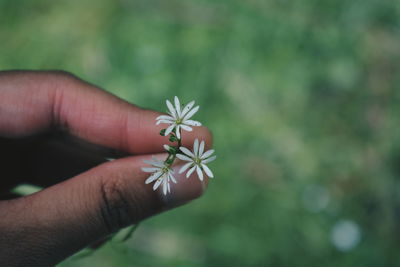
33	102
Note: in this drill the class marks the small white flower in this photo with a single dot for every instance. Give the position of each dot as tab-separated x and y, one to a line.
179	118
197	160
161	173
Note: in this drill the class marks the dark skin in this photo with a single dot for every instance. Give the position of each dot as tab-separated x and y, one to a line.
56	131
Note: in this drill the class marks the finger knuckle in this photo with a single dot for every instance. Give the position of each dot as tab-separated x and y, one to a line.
118	208
114	207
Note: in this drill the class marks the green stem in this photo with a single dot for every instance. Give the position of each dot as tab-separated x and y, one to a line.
173	155
180	140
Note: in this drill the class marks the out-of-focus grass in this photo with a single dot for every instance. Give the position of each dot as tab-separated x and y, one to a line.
303	100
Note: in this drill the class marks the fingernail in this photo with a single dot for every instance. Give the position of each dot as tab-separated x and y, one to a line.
185	190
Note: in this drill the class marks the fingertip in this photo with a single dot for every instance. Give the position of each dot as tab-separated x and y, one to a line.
202	133
185	190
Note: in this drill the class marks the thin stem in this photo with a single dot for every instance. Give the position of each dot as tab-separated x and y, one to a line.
173	159
180	139
173	155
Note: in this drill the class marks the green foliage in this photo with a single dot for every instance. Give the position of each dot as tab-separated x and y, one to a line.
172	138
302	98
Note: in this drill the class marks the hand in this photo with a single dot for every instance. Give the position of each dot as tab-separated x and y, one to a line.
54	126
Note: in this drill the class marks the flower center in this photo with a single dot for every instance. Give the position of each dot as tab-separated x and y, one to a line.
197	161
178	121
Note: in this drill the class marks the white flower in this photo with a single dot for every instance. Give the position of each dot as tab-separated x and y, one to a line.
161	173
197	160
179	118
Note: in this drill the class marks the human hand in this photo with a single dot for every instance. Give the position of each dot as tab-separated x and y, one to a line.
54	126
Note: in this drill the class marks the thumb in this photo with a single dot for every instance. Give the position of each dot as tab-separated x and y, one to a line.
54	223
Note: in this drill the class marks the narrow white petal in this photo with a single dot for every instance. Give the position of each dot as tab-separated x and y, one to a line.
169	188
190	171
178	131
196	147
207	154
177	106
186	128
199	173
185	167
183	157
157	184
207	170
169	129
154	163
152	177
171	109
157	160
151	169
209	159
165	117
172	178
164	121
201	148
186	151
187	108
150	162
191	113
192	123
165	186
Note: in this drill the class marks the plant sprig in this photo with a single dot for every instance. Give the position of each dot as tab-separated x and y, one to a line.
178	118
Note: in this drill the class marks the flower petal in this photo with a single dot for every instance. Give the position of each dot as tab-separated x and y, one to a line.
165	117
208	160
169	129
178	131
199	173
171	109
154	163
190	171
169	188
157	184
185	167
164	121
172	178
153	177
165	186
201	148
150	169
196	147
157	160
207	154
191	113
184	157
207	171
177	106
187	108
186	128
186	151
192	123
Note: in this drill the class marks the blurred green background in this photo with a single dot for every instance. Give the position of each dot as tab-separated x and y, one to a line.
302	98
